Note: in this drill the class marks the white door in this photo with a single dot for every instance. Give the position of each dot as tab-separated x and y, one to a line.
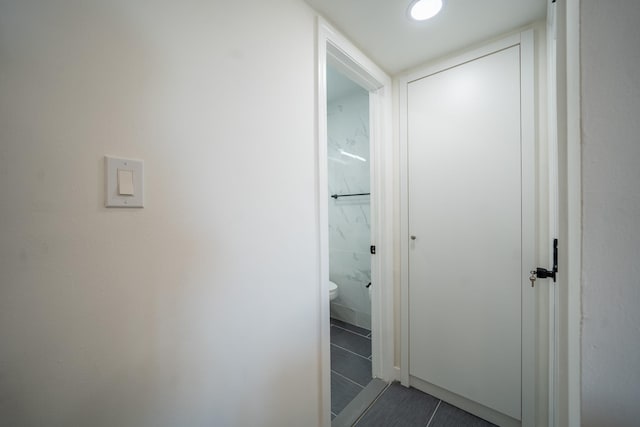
466	269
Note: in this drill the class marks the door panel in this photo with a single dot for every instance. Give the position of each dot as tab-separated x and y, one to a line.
465	211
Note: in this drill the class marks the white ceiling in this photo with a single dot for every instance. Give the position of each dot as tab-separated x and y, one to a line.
383	31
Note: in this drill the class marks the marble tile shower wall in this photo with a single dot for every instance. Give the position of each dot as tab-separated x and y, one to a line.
349	218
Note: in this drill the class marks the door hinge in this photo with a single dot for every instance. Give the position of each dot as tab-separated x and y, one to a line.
372	249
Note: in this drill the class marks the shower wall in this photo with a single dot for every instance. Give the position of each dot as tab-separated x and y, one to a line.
349	225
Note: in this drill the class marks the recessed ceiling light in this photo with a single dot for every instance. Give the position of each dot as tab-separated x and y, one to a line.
421	10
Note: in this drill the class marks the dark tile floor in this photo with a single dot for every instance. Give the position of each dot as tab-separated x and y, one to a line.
350	363
399	406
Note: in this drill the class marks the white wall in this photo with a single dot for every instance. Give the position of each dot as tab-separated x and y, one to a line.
350	218
610	58
198	309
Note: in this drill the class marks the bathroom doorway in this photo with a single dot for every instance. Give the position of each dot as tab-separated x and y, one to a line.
348	172
349	225
355	227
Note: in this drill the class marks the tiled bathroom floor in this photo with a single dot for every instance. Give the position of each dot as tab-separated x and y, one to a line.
350	363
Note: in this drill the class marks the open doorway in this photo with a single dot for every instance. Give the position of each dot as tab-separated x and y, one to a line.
349	209
354	221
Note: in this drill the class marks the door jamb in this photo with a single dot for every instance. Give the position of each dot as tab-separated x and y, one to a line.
343	55
569	389
553	214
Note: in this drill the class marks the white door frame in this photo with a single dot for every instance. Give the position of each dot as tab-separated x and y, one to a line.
333	47
573	222
568	393
552	138
526	42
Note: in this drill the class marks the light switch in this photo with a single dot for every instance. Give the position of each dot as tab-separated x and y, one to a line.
125	182
124	179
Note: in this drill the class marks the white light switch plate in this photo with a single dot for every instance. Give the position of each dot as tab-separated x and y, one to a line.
113	198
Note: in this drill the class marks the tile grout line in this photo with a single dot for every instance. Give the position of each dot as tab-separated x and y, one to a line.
333	319
434	413
372	404
354	334
350	331
347	378
352	352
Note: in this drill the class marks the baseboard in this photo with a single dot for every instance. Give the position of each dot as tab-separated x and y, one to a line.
470	406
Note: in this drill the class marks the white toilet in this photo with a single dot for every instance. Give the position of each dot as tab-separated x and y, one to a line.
333	291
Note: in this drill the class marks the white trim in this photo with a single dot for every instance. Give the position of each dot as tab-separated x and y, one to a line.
323	233
403	82
333	47
528	154
553	185
568	393
526	42
574	212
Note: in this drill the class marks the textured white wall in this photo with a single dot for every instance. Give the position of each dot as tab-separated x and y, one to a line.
197	310
610	57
